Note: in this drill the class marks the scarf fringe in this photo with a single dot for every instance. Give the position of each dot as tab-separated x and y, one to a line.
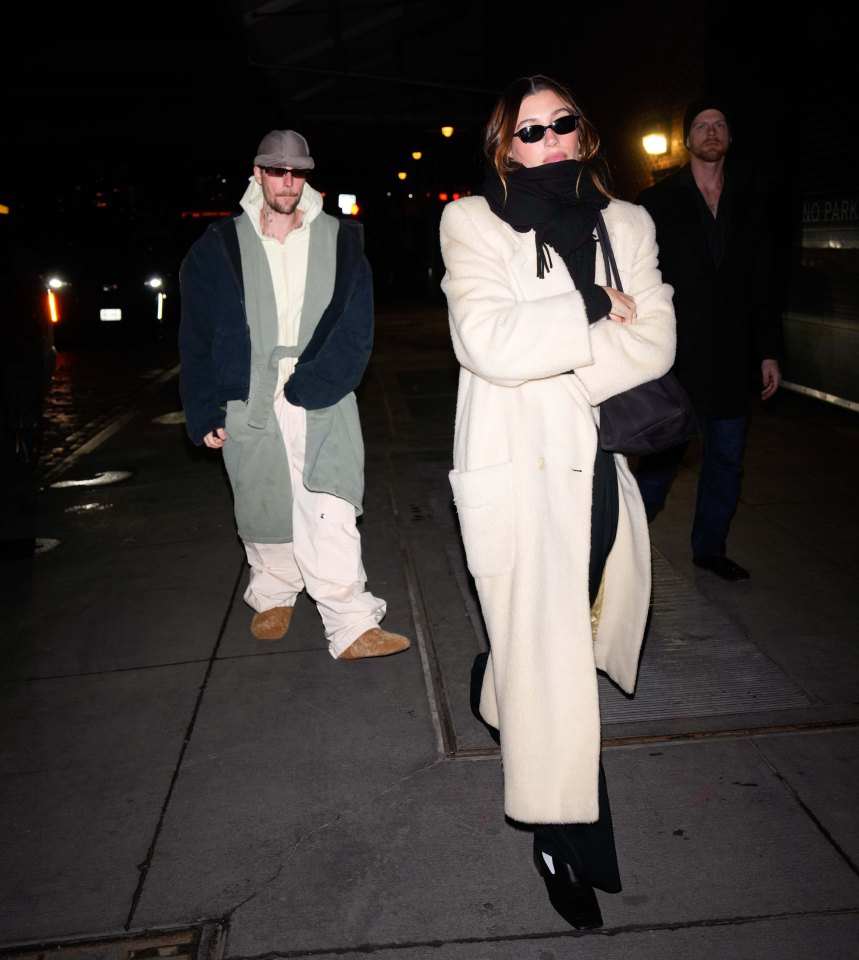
544	256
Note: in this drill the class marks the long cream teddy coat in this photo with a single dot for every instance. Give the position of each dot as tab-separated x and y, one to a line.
533	373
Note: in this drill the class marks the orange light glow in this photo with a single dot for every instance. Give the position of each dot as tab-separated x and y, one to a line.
53	312
196	214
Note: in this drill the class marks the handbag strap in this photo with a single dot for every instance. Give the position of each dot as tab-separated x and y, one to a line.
611	271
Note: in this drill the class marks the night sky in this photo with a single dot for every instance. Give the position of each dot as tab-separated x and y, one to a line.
155	92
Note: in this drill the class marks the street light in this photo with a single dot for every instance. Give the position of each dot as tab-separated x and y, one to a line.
655	136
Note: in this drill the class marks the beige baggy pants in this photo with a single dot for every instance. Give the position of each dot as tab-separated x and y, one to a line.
324	556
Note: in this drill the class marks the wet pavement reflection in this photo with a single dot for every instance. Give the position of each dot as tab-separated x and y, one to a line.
91	389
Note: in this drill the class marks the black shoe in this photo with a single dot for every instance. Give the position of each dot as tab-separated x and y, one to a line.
573	899
722	567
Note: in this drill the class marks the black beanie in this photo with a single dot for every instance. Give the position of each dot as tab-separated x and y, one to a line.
701	104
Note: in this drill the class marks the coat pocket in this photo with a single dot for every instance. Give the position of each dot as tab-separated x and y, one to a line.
484	505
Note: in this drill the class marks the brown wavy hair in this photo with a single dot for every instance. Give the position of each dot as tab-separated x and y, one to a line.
499	130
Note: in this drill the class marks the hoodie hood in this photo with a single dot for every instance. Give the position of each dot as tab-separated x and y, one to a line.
310	204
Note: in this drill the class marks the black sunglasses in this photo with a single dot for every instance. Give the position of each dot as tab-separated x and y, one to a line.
536	131
282	172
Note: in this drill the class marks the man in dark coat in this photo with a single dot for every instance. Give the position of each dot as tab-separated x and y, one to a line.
714	250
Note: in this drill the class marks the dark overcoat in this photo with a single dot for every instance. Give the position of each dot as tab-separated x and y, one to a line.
728	318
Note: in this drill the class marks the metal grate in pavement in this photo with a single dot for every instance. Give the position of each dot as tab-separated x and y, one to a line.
201	942
696	662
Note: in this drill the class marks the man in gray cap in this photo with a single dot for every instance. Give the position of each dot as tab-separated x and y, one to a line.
715	251
275	334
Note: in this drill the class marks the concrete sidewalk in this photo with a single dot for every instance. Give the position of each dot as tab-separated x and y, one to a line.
172	785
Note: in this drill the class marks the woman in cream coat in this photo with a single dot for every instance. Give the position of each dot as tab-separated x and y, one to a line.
554	529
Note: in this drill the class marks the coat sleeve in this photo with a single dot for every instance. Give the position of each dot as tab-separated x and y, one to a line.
498	333
626	355
333	362
198	381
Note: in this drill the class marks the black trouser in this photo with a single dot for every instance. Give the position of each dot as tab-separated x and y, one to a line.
587	847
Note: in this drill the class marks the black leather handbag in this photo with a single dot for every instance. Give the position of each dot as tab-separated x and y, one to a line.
648	418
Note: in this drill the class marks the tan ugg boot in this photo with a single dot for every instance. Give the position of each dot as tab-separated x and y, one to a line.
375	643
271	624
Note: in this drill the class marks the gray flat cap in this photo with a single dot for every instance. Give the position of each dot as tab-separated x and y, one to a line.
284	148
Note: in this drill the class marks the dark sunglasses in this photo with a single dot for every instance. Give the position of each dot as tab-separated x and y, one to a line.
282	172
536	131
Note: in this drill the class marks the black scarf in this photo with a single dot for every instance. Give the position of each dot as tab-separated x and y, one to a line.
544	199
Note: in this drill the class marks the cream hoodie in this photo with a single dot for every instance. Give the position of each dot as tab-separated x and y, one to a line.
288	263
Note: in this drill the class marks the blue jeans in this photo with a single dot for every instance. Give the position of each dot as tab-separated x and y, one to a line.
719	479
